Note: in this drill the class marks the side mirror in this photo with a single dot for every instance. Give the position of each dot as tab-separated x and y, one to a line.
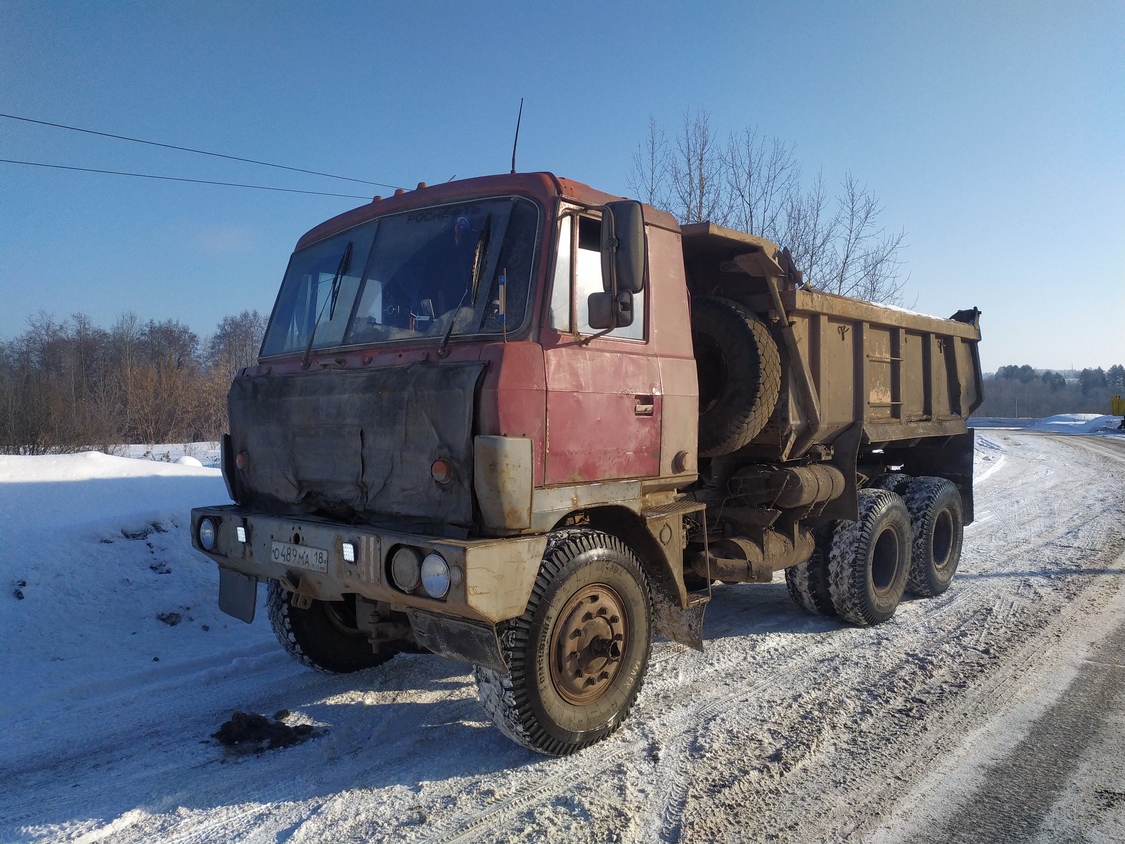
608	311
623	247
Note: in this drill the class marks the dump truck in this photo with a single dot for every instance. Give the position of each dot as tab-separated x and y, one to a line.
524	424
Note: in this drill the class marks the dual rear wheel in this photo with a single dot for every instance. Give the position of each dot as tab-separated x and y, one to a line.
908	537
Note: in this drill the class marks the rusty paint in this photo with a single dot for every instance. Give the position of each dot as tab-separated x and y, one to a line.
502	480
512	400
594	431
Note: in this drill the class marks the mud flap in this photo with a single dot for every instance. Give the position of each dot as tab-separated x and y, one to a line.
456	638
238	594
677	624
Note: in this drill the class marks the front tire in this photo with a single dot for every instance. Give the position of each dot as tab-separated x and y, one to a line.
578	655
869	561
324	636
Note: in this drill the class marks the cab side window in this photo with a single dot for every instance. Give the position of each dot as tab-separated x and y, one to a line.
579	268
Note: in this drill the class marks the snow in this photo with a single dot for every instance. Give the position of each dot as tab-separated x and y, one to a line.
1076	423
206	453
95	546
1064	423
999	422
119	666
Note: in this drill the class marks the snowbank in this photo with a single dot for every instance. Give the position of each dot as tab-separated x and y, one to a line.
206	453
999	422
1063	423
1076	423
97	572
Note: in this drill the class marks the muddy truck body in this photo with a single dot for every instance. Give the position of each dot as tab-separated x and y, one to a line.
521	423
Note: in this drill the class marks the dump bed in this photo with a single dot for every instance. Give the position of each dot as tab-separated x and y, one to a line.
901	374
904	375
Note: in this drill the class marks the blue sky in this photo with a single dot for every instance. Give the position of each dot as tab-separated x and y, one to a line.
993	132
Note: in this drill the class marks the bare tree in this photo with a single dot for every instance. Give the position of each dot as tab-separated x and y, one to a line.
233	346
864	260
696	172
67	384
810	227
648	178
236	342
761	178
755	184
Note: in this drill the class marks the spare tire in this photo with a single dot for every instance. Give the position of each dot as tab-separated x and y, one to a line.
739	374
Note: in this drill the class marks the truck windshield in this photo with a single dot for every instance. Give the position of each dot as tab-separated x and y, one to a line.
456	269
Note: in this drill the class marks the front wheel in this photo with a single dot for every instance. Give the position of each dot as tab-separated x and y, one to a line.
324	636
578	654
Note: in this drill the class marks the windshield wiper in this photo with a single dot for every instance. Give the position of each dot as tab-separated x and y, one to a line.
480	254
341	271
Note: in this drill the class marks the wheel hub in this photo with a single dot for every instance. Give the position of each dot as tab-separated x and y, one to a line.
588	644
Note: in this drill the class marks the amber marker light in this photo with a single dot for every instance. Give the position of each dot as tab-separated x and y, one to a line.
442	471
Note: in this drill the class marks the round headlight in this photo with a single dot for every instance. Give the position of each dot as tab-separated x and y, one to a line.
435	576
207	532
405	568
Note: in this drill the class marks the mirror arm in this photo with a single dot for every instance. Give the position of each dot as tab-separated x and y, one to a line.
609	245
584	341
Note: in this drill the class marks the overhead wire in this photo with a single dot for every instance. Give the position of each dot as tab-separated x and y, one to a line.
179	179
198	152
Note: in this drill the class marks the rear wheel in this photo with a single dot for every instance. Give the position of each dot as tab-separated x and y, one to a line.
896	482
869	561
939	528
578	654
324	636
807	582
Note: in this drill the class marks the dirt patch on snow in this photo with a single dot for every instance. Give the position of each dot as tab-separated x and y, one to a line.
249	732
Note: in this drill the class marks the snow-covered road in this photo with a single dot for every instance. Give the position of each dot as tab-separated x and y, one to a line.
788	727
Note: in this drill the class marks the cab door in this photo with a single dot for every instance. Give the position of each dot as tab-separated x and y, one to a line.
603	393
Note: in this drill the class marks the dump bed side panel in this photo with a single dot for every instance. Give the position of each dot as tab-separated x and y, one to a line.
904	375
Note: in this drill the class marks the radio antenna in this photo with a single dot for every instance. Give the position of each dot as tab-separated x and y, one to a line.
515	143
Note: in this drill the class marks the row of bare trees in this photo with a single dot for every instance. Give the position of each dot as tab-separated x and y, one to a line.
67	385
1020	391
755	184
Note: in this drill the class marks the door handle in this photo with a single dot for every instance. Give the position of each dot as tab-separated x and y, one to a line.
645	406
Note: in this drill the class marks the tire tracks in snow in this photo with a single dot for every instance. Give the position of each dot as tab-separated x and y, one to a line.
788	724
975	611
687	717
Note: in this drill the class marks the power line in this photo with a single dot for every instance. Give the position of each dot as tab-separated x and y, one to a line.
179	179
195	151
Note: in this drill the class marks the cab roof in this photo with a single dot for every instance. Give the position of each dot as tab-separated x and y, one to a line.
544	187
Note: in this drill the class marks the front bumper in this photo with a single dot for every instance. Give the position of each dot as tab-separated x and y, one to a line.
490	579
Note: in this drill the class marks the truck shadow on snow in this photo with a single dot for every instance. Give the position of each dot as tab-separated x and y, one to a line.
413	723
417	717
760	609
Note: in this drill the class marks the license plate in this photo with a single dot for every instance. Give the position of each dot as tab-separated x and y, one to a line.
301	556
